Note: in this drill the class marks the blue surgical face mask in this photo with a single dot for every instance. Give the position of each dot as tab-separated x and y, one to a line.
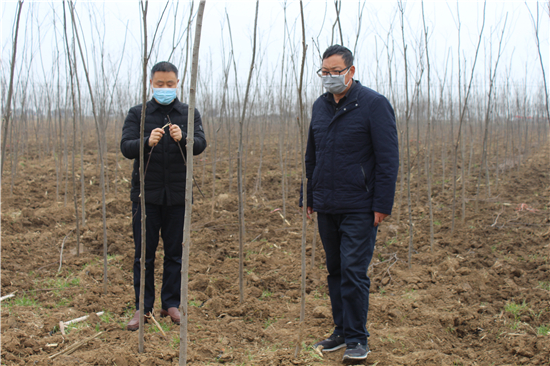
164	95
335	84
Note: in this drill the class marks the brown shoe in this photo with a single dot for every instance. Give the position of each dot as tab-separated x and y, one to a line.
134	323
174	314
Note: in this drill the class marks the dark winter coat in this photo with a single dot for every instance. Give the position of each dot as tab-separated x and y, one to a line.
352	154
166	172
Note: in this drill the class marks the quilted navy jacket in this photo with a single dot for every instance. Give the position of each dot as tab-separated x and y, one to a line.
166	172
352	155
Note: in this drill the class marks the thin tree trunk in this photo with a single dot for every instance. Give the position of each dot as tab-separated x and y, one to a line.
238	107
443	155
66	154
75	200
189	187
81	127
428	137
143	218
487	174
282	125
7	114
302	127
407	117
240	165
14	155
418	165
230	154
463	172
56	156
497	155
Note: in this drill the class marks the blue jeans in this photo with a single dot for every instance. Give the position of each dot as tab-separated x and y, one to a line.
348	240
168	220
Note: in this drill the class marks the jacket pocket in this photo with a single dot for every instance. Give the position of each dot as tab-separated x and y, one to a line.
315	177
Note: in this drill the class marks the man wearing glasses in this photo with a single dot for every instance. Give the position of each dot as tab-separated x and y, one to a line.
352	159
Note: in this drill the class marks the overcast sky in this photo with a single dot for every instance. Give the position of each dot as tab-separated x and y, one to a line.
110	23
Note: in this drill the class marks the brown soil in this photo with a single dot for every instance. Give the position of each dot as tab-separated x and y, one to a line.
480	298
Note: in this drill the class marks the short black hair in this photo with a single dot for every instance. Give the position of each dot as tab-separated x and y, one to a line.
164	66
339	50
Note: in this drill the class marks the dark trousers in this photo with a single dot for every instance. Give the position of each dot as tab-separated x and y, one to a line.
168	220
348	240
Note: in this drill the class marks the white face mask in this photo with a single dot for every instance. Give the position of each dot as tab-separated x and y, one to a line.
335	84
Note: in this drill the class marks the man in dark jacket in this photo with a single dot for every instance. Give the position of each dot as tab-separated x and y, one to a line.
352	160
165	140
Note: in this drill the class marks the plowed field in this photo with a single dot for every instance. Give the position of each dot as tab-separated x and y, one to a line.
482	297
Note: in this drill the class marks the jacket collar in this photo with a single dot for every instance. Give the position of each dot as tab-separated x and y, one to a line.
181	107
152	106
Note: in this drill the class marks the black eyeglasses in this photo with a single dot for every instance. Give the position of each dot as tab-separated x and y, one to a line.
335	73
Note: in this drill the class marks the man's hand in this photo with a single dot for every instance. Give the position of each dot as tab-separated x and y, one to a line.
379	217
175	132
155	136
309	211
